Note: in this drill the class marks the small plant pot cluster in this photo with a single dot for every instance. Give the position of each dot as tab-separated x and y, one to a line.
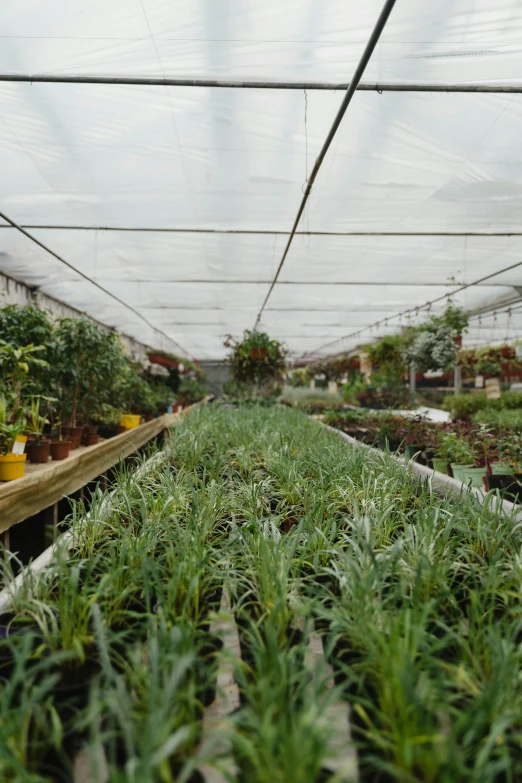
474	451
68	382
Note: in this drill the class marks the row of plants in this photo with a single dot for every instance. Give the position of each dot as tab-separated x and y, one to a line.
485	451
416	598
67	380
434	347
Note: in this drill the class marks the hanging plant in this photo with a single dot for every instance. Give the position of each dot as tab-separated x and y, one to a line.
433	351
256	358
435	346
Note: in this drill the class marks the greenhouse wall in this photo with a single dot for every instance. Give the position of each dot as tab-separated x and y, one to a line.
14	292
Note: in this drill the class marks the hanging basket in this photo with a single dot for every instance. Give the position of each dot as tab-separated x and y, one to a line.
258	354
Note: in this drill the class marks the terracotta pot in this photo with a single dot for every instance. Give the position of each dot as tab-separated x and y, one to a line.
38	452
155	358
258	354
458	341
75	436
92	439
60	449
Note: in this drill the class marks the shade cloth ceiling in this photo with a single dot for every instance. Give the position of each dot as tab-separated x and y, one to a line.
179	200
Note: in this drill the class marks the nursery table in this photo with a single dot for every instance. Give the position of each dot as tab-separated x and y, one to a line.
44	485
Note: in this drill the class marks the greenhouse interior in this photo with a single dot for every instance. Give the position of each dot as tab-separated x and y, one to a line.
261	391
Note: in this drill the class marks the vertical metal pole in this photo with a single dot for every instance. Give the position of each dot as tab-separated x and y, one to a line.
413	380
457	383
55	521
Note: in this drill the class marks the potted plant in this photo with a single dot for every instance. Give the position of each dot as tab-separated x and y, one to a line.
108	418
414	437
190	390
15	365
509	455
483	446
256	359
38	450
453	449
88	363
388	433
12	465
435	346
505	473
60	447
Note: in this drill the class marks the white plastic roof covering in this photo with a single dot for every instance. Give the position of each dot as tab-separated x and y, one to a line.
84	157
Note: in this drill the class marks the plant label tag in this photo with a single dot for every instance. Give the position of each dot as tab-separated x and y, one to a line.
492	388
19	444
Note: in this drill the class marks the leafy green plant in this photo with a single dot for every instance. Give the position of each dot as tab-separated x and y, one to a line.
387	356
16	365
453	448
35	421
87	362
12	422
463	406
256	358
191	389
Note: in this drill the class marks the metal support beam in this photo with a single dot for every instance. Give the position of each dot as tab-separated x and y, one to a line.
359	71
240	84
270	232
117	299
413	379
458	379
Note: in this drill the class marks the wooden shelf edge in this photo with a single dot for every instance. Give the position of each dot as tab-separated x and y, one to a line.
34	492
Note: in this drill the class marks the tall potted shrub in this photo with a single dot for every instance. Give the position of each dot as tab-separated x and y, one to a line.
88	363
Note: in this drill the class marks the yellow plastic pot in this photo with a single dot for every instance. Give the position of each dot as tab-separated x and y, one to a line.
129	421
12	466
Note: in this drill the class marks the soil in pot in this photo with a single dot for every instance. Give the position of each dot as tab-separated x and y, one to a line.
75	680
510	485
38	452
60	449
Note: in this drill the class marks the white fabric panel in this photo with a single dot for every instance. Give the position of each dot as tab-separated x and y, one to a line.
150	157
454	40
237	160
423	162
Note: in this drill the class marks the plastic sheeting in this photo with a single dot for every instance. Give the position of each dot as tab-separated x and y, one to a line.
408	181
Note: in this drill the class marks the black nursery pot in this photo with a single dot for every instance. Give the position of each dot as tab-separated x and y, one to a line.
512	485
13	628
75	681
